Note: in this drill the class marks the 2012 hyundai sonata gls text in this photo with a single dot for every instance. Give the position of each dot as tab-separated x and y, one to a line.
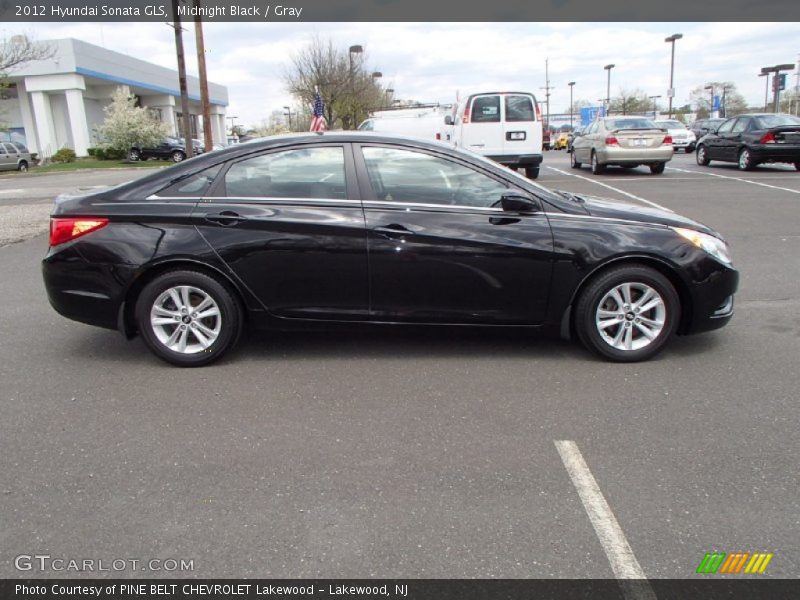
348	227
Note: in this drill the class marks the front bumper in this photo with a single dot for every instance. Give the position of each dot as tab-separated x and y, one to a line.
712	300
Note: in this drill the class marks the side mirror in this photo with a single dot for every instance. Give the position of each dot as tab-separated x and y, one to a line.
519	202
448	120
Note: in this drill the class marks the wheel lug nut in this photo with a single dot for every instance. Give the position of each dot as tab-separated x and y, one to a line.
638	320
183	327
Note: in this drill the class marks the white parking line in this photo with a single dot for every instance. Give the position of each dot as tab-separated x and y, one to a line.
619	552
774	187
16	191
611	187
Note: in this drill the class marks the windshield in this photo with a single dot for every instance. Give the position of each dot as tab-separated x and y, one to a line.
769	121
630	123
545	193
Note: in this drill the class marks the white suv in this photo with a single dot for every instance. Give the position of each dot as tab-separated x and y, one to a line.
682	138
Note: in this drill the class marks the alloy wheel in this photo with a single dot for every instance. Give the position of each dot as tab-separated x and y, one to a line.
630	316
186	319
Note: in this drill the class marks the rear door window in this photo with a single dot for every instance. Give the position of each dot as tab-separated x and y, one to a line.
519	108
486	109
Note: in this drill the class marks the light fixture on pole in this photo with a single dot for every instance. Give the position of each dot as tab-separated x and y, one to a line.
571	84
608	86
655	110
710	106
776	79
671	91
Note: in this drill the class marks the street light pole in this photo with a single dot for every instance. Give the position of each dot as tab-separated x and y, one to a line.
289	114
766	89
671	92
776	90
355	49
571	84
711	105
654	98
608	88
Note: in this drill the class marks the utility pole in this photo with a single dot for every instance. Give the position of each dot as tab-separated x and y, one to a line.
547	89
186	118
201	65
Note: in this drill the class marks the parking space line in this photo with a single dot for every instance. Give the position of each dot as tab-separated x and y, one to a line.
611	187
615	544
774	187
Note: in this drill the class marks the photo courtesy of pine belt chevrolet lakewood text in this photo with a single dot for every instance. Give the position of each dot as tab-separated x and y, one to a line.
353	227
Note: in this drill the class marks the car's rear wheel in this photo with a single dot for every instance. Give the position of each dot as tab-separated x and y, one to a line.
702	156
177	156
746	162
531	172
657	168
188	318
23	166
597	168
628	313
134	155
573	161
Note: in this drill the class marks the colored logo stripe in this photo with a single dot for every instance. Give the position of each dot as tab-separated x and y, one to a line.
759	562
711	562
721	562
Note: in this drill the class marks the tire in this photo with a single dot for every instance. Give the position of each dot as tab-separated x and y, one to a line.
597	168
607	334
531	172
134	155
573	161
797	166
657	168
688	150
22	167
206	339
177	156
746	162
702	156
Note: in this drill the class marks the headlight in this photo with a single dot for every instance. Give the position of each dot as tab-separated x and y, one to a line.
714	246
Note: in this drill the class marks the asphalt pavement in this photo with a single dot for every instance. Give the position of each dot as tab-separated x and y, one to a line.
395	453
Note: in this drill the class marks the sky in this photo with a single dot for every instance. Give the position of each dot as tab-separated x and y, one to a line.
430	62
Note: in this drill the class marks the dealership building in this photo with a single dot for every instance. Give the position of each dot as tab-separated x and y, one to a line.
58	102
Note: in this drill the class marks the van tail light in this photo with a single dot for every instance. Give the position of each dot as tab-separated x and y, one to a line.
438	136
612	141
667	140
66	229
538	112
767	138
465	118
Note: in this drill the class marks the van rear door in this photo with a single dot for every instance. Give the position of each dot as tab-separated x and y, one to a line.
522	133
482	130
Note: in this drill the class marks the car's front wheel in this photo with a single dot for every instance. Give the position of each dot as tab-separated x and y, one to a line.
531	172
702	156
746	162
177	156
188	318
134	155
627	313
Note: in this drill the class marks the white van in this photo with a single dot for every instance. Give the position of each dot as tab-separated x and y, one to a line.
426	123
503	126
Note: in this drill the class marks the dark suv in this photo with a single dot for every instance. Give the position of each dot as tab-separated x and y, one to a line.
169	149
703	126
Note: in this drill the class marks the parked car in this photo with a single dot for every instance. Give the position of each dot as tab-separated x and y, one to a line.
562	141
170	148
577	132
703	126
623	141
682	138
351	227
752	139
14	157
504	126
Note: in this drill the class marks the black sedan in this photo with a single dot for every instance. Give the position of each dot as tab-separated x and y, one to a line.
345	228
752	139
168	149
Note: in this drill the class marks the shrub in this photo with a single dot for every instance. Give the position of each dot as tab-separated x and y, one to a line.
64	155
91	151
99	154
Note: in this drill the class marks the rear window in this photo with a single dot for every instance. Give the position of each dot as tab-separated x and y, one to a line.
519	108
486	109
670	124
630	124
769	121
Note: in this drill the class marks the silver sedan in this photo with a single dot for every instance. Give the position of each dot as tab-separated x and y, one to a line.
624	141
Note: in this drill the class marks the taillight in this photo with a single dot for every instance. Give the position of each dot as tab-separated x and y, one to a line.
66	229
767	138
667	140
465	118
612	141
538	113
438	136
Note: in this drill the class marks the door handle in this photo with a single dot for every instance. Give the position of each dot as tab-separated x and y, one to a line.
392	231
226	218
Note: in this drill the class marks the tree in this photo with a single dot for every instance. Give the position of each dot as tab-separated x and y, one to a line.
127	125
701	98
19	50
347	87
630	102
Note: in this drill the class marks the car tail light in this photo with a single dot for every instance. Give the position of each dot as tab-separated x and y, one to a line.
612	141
66	229
667	140
767	138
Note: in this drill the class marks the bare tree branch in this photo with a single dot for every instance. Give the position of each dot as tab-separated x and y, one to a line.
19	50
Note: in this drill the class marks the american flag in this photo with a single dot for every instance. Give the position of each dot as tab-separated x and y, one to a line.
318	121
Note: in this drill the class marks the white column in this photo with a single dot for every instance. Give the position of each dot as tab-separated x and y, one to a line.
168	118
43	118
27	118
77	121
223	135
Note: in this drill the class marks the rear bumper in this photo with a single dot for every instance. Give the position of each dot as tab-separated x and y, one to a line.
776	152
621	156
683	143
518	160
